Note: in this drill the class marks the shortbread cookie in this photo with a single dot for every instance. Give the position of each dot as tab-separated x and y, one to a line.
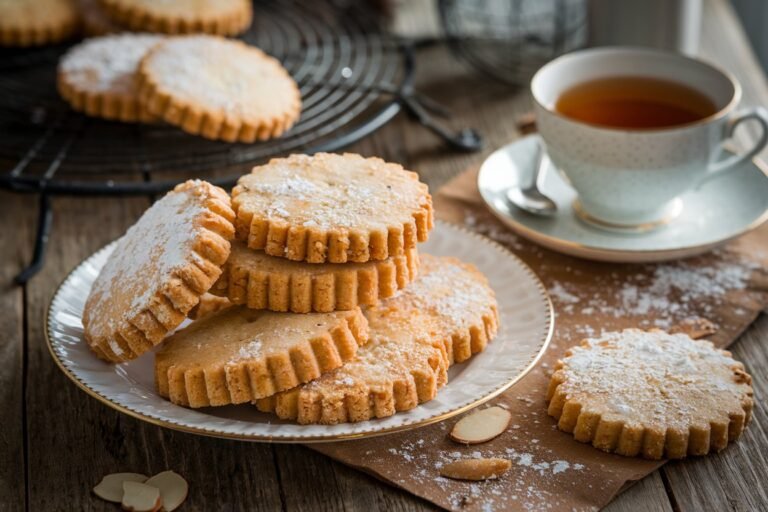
98	76
334	208
37	22
219	88
158	271
222	17
651	393
240	355
261	281
406	362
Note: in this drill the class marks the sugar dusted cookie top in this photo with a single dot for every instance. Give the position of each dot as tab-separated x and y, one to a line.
331	207
158	271
107	64
98	76
222	17
454	295
238	355
406	359
651	393
219	88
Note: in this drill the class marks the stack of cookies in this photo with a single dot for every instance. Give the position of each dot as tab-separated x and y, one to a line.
331	315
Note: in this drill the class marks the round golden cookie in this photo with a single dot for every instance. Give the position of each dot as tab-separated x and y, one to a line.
406	360
158	271
98	76
332	208
37	22
260	281
219	88
222	17
651	393
239	355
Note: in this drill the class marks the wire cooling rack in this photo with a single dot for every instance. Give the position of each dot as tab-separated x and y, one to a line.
353	79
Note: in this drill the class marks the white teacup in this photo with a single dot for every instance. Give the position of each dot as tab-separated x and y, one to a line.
631	179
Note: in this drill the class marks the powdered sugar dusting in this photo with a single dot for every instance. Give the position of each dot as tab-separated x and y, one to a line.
448	290
513	491
223	76
143	260
666	292
250	351
610	374
332	191
107	64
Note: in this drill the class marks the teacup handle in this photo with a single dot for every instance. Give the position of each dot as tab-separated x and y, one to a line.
758	114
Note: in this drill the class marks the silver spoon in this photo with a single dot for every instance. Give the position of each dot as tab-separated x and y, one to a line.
530	198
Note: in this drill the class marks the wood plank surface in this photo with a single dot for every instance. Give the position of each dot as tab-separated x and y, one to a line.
15	247
72	440
647	495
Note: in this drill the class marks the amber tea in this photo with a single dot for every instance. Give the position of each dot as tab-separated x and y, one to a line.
634	103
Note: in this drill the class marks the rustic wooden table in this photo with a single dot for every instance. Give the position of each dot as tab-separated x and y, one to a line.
56	442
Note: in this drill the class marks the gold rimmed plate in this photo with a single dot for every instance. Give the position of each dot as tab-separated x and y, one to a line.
526	328
718	211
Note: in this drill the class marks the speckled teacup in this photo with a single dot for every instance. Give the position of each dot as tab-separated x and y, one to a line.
632	178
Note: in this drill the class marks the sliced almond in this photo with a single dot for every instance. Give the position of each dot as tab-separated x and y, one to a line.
173	489
111	486
139	497
475	469
481	426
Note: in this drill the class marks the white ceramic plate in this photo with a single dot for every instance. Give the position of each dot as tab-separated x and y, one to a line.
526	328
719	211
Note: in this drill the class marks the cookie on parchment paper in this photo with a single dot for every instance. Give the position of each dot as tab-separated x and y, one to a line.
334	208
652	394
37	22
261	281
98	76
218	88
222	17
158	271
239	355
406	360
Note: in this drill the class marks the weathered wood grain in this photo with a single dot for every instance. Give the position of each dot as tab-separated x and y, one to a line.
314	482
647	495
15	240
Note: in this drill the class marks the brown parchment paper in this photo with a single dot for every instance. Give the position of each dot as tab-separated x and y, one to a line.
550	470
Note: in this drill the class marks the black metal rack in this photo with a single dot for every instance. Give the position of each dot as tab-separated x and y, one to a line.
353	79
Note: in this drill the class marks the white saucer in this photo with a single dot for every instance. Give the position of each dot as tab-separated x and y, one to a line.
719	211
